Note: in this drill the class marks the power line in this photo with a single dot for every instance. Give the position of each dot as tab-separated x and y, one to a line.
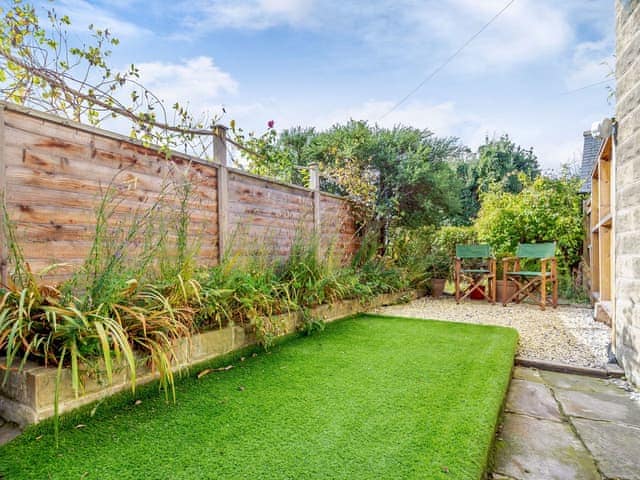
449	59
595	84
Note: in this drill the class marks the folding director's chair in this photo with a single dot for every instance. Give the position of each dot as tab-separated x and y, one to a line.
532	283
474	265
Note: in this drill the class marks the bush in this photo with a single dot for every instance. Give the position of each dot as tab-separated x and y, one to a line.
546	210
446	238
409	250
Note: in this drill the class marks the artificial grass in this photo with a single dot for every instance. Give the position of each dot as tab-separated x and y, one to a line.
370	397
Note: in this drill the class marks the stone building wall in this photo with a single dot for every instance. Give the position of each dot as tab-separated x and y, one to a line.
627	188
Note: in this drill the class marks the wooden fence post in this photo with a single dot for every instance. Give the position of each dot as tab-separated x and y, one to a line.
314	184
220	157
4	248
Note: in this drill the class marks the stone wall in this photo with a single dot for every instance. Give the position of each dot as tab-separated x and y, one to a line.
627	185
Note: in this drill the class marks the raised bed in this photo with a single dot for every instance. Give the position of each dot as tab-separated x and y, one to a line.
28	395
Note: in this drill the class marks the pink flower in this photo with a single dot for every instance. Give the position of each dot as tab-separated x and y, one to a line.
270	123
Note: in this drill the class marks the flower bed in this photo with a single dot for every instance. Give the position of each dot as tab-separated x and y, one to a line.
29	395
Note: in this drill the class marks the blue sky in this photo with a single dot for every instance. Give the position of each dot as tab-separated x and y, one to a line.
315	63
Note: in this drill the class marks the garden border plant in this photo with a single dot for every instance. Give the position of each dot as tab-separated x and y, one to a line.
139	292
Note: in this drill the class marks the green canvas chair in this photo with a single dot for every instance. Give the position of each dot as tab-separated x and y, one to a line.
533	283
474	265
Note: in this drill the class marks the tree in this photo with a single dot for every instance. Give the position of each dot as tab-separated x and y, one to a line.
498	162
545	210
399	177
41	68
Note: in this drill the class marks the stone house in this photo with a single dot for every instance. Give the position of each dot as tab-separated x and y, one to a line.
626	187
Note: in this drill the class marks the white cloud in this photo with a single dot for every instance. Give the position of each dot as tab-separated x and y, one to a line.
414	30
442	119
197	81
555	154
592	62
247	14
446	119
527	31
83	14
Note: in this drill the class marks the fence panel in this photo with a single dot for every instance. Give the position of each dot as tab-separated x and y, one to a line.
55	173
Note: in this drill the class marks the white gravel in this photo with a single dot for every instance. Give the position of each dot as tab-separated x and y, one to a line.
567	334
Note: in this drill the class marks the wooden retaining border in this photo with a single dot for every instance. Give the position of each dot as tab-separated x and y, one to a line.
28	395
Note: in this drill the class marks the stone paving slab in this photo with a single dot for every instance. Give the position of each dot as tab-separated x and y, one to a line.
536	449
615	447
599	406
595	433
581	383
529	374
530	398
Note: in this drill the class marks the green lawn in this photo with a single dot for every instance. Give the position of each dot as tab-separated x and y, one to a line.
370	397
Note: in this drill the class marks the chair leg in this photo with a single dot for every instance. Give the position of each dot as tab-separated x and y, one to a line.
555	292
504	289
492	282
474	284
543	293
457	280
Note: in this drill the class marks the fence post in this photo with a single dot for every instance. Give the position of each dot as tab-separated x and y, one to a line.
4	248
314	184
220	157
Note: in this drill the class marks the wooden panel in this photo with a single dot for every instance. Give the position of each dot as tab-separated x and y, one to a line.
4	193
274	213
56	176
605	264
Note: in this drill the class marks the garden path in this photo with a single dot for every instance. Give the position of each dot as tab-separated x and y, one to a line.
567	334
563	426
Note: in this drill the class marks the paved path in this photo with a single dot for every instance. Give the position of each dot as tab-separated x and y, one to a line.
564	427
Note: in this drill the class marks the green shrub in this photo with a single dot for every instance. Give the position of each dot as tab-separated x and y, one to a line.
545	210
409	250
446	238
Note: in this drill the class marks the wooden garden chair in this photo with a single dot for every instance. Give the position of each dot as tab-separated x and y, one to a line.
481	269
532	284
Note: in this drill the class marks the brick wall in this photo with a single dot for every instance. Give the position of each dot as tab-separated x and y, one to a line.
627	184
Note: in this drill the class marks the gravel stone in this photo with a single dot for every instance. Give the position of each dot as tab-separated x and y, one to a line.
567	334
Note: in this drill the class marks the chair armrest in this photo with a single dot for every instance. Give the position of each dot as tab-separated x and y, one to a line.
554	262
492	265
510	259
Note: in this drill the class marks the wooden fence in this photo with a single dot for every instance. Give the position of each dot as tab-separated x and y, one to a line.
54	174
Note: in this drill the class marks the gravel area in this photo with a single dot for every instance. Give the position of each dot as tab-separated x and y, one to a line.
567	334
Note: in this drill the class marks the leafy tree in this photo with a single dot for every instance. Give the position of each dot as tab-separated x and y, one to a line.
545	210
399	177
498	162
40	67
